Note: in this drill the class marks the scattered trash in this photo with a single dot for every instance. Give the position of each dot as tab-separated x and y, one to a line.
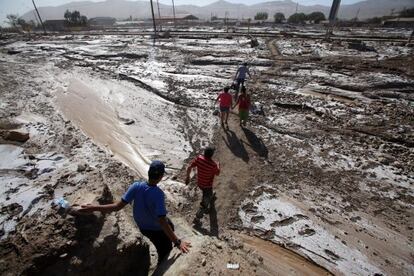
62	203
257	108
253	42
233	266
360	46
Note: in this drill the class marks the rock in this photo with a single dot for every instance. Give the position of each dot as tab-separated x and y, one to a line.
106	196
82	167
129	122
17	136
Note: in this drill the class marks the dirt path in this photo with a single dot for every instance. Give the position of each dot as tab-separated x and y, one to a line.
240	152
235	156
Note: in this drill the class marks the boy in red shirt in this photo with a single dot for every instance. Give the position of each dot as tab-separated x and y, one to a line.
225	100
244	105
207	168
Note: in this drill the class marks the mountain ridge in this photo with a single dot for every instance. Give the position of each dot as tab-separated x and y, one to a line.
122	9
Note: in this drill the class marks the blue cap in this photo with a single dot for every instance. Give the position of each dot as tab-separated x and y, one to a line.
156	169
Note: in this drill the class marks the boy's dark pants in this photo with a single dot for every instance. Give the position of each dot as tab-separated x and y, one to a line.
206	201
161	241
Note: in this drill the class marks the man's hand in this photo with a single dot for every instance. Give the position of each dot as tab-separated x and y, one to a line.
88	208
184	246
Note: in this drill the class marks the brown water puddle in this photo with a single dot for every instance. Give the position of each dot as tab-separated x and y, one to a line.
98	120
280	261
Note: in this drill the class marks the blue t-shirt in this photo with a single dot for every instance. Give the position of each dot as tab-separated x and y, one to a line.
242	72
149	204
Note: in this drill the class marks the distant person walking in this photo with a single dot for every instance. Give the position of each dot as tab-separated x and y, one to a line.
241	75
244	106
207	169
149	212
225	102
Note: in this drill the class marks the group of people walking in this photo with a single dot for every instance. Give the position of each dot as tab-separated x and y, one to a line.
243	102
149	210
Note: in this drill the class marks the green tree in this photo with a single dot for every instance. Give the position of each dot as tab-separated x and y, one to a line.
68	16
83	20
26	26
316	17
375	20
261	16
75	18
12	20
297	18
279	17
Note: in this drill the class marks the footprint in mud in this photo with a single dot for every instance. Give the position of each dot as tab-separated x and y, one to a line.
300	216
249	208
332	255
12	209
283	222
306	232
257	219
288	220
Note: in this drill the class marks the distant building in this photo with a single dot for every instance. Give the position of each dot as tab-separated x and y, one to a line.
102	21
55	25
400	22
178	18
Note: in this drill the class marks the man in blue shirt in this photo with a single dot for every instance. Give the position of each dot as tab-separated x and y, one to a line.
149	212
241	75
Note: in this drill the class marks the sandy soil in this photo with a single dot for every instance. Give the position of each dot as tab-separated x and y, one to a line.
324	178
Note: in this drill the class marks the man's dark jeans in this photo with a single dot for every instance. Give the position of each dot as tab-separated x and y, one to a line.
161	242
207	199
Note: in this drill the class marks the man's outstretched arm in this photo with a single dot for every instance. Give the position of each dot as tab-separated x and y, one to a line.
107	208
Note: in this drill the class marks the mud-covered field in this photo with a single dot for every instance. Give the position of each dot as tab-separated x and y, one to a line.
324	168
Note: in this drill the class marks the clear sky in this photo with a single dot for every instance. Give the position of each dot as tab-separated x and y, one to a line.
22	6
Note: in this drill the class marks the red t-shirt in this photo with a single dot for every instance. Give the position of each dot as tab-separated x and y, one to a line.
244	102
225	99
206	170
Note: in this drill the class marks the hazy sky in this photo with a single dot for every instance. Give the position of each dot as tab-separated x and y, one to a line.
22	6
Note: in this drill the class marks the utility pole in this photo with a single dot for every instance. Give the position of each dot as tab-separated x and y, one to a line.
411	37
297	7
248	25
153	20
159	15
175	22
225	21
332	17
44	29
357	14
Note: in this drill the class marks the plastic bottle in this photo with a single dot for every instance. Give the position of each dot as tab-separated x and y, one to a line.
62	203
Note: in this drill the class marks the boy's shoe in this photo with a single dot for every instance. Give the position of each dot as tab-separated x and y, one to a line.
200	213
196	222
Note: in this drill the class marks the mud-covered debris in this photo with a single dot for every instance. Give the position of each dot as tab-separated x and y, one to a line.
17	136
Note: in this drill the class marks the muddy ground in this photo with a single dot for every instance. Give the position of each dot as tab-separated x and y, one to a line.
326	170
